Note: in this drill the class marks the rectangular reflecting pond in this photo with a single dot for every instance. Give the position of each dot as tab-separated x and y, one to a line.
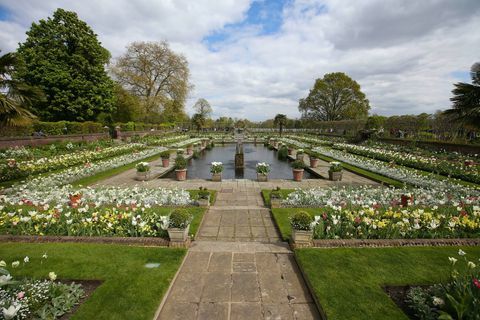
200	168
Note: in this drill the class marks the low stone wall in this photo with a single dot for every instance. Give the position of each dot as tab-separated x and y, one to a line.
6	142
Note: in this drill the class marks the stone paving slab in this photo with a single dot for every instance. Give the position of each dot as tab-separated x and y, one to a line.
242	285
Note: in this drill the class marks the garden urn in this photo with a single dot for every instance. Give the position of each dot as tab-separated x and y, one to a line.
261	177
204	202
142	176
181	174
302	237
177	234
297	174
217	177
275	202
165	162
313	162
300	156
335	175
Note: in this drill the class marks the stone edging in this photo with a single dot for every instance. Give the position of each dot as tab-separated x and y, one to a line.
321	312
359	243
144	241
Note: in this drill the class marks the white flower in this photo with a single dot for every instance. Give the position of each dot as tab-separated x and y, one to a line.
26	259
44	256
471	265
452	260
52	275
5	279
11	312
3	264
438	301
15	264
461	252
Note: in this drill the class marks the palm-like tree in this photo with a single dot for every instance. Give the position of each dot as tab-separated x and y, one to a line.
280	121
15	97
466	99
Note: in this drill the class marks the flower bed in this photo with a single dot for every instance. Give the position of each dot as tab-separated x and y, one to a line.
11	169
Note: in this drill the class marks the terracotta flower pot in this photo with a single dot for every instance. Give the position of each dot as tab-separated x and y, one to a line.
262	177
217	177
165	162
297	174
335	176
181	174
313	162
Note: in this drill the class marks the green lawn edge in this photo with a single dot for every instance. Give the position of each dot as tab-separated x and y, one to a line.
266	195
348	282
129	290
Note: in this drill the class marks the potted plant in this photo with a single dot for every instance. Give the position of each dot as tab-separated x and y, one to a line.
290	150
263	169
216	170
190	149
143	171
181	167
275	198
300	154
298	167
313	159
335	171
302	228
165	155
203	197
178	225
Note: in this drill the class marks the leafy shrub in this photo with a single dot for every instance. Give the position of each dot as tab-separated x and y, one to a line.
165	154
203	193
142	167
298	164
196	154
275	194
179	219
282	153
180	162
335	166
302	220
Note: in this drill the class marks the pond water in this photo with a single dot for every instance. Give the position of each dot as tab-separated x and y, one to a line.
200	168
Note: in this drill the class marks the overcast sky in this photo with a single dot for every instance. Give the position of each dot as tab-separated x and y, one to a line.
254	59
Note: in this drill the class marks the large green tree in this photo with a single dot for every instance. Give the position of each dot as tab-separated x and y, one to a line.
155	74
336	96
280	121
64	58
15	97
466	99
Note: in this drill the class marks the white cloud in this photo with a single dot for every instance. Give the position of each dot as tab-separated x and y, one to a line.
401	52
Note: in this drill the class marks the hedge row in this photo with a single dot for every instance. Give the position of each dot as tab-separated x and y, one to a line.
67	127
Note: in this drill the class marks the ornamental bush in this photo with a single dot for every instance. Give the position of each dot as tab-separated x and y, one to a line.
179	219
180	162
298	164
282	153
302	220
165	154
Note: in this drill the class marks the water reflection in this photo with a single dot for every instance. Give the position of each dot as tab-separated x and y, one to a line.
200	168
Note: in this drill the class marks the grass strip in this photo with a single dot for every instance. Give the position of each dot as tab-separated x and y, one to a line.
348	281
266	195
129	291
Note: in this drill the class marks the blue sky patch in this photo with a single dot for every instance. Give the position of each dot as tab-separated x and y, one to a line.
4	14
463	76
264	15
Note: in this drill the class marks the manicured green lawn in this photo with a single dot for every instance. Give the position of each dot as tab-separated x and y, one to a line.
348	282
266	195
129	291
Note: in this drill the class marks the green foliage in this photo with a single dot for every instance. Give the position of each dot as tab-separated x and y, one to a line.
280	121
375	122
180	162
335	166
298	164
335	97
198	120
179	218
203	193
127	106
282	153
301	220
165	154
63	57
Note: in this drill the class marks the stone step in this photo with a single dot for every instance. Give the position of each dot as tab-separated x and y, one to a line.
252	247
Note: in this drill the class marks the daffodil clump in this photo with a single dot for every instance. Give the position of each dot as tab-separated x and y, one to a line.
33	298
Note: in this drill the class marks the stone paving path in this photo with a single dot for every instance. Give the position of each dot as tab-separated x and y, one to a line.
237	269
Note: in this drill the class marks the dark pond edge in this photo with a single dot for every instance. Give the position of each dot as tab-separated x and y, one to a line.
374	243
